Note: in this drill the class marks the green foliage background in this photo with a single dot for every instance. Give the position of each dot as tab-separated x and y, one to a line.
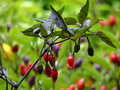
22	14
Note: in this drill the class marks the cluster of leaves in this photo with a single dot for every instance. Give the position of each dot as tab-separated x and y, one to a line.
68	28
48	27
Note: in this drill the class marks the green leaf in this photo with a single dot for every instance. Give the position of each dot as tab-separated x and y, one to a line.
105	38
61	34
94	22
88	35
29	31
58	19
56	33
80	31
61	10
82	15
92	72
70	20
43	31
33	31
48	25
41	20
100	60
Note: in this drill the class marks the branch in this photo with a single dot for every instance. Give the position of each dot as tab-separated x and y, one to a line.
41	54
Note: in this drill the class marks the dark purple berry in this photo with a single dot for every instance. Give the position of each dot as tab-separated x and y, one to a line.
98	67
92	88
90	51
56	48
78	62
40	68
35	69
31	81
82	39
77	47
26	60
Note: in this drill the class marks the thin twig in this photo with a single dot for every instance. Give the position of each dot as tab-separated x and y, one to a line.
5	80
41	54
61	41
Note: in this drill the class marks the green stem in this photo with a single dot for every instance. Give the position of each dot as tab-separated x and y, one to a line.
70	46
117	75
88	41
53	86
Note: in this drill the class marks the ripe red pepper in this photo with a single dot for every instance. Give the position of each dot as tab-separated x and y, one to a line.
54	74
103	87
112	20
72	87
29	65
70	67
70	61
45	56
81	84
23	69
103	23
51	60
48	70
118	59
15	48
113	57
